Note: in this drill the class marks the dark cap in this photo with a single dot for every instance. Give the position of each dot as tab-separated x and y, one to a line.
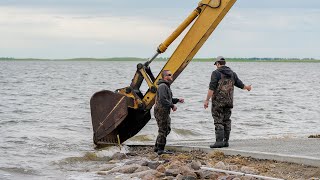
219	59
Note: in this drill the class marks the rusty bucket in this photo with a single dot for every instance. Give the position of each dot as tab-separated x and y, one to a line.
113	121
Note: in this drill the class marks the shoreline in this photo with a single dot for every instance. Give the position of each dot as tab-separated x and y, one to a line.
141	162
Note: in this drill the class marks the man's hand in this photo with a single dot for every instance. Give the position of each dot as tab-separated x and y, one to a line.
247	87
206	104
174	108
181	100
210	95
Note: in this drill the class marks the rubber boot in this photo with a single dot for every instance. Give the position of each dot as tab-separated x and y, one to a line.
226	138
162	151
219	139
155	149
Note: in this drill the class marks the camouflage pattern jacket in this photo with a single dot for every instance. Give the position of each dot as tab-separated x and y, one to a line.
164	95
227	72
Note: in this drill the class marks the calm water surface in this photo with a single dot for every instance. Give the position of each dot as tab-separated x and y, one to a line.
45	123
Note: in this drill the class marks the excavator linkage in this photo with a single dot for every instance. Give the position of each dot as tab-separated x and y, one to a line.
112	120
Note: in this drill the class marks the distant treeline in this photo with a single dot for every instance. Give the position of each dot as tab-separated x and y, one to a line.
77	59
256	59
253	59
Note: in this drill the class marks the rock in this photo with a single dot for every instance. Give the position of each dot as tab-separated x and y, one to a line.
231	177
148	177
247	178
172	172
195	165
153	164
188	178
210	175
182	177
179	177
236	178
118	156
220	165
132	154
131	162
186	171
233	168
161	168
142	168
169	178
139	162
203	163
199	174
222	178
107	167
101	173
249	170
114	161
174	165
126	169
146	174
143	163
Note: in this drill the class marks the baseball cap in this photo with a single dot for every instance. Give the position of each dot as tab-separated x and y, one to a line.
219	58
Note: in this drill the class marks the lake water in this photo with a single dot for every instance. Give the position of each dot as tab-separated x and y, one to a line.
45	122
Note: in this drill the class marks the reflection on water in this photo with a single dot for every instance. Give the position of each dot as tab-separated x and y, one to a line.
45	114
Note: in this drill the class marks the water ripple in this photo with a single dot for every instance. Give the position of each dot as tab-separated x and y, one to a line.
45	110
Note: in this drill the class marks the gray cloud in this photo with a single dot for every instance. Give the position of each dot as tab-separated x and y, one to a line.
108	28
157	4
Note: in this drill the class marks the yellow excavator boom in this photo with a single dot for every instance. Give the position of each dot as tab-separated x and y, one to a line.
117	116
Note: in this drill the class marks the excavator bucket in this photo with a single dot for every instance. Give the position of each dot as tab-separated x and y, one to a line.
112	120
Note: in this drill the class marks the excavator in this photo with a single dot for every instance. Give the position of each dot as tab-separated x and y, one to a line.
119	115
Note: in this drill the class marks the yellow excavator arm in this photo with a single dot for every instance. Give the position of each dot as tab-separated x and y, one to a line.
117	116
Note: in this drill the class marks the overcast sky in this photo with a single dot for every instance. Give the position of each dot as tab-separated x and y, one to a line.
113	28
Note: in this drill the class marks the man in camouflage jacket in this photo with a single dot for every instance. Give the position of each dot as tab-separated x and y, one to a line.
163	105
222	106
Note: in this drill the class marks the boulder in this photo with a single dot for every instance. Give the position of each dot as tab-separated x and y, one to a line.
220	165
126	169
118	156
153	164
195	165
161	168
146	174
142	168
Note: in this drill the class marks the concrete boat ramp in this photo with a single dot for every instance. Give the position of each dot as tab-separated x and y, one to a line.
301	151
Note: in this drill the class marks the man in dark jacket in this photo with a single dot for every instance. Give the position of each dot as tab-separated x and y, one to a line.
164	103
223	79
